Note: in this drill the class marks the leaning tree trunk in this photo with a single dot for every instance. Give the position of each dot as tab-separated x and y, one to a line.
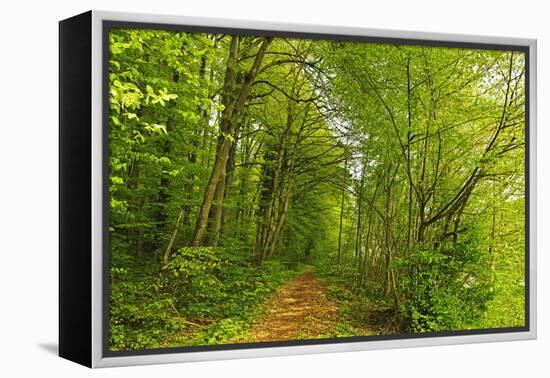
233	105
274	237
168	251
219	197
216	210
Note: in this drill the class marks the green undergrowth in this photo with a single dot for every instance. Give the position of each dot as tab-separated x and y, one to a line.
204	295
360	314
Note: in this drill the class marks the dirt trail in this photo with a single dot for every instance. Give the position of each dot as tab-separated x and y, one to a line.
300	310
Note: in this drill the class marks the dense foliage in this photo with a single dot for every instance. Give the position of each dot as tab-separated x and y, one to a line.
396	170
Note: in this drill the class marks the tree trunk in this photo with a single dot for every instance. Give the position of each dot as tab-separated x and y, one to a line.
360	212
220	195
233	105
168	251
342	212
271	243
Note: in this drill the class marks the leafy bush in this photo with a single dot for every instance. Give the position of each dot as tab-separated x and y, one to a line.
192	276
141	313
212	287
444	288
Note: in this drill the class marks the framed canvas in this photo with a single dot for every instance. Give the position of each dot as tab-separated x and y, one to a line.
235	189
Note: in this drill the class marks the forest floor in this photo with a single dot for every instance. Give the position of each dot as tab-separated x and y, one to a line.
299	310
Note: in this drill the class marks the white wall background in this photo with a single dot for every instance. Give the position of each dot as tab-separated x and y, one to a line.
28	190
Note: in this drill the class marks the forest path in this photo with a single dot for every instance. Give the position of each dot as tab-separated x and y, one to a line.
300	310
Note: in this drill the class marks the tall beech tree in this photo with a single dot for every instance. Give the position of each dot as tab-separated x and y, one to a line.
234	97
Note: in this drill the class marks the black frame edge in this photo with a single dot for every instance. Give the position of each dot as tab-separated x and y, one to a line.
75	239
